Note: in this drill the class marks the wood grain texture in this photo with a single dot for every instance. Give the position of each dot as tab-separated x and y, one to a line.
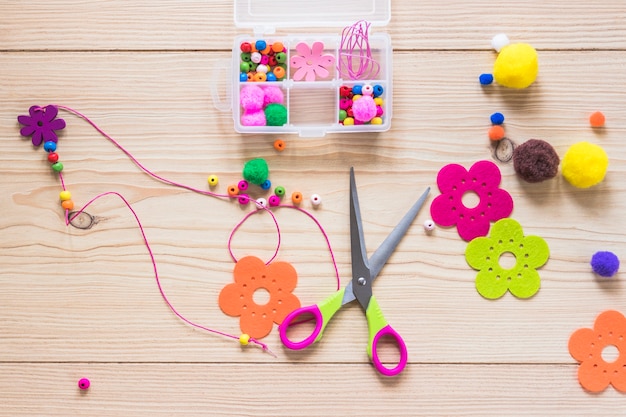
79	303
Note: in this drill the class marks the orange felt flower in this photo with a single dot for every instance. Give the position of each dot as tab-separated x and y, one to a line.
587	345
242	298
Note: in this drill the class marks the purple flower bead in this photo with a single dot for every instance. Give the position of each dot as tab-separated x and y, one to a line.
41	124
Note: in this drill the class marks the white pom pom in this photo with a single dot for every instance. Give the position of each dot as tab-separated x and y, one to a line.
500	41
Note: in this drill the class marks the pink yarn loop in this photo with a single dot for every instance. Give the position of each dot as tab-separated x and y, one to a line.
355	55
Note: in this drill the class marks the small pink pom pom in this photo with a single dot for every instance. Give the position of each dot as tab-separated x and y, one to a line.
364	109
251	98
273	95
254	118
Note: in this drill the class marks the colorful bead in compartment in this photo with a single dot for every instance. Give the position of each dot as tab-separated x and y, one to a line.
361	104
262	105
261	61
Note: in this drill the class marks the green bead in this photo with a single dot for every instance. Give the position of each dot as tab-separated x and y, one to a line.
253	66
244	67
281	57
256	171
342	115
57	167
279	191
245	57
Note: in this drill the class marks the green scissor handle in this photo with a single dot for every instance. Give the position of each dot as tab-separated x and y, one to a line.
378	328
322	314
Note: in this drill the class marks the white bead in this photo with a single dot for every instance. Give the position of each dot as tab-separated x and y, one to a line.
429	225
316	200
500	41
255	57
262	68
261	203
367	90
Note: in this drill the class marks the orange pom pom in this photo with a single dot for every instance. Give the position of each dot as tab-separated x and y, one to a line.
496	133
597	119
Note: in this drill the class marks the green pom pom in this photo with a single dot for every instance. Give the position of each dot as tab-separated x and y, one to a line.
255	171
276	114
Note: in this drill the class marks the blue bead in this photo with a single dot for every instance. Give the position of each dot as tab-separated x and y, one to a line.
497	118
378	90
357	89
266	185
243	77
271	76
260	45
50	146
485	79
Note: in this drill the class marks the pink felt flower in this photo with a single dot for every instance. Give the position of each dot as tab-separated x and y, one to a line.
483	180
311	62
41	124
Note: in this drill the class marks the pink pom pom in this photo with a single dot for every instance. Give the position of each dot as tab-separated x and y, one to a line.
364	109
254	118
273	95
251	98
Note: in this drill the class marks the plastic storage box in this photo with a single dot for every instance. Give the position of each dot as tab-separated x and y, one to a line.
308	83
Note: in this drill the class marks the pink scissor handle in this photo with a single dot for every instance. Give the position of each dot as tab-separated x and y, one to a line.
380	367
319	321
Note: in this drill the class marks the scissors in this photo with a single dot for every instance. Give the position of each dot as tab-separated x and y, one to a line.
364	272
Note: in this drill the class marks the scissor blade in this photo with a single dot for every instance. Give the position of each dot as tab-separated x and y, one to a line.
361	282
384	251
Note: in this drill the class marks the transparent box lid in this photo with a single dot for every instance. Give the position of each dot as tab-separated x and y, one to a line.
264	17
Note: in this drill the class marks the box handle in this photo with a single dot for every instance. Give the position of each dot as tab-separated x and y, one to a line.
221	74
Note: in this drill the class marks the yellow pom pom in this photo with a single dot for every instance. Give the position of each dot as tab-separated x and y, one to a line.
65	195
244	339
585	164
516	66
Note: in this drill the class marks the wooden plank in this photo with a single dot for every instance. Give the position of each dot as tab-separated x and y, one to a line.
153	389
209	25
99	290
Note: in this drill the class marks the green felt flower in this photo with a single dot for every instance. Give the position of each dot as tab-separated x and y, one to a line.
507	237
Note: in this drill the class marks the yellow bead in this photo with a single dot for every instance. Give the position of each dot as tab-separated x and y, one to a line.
348	121
356	97
379	101
213	180
65	195
377	121
244	339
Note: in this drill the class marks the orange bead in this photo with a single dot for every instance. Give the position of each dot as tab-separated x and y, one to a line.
296	198
496	133
267	50
278	47
67	204
279	145
233	190
250	76
279	72
260	77
597	119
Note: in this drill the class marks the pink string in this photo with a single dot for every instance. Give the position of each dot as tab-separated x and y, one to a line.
69	219
355	55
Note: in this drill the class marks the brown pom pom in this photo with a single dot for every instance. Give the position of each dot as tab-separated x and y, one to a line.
536	160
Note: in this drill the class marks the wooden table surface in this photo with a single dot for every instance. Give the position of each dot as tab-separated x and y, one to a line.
84	303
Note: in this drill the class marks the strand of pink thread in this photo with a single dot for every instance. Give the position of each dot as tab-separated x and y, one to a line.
154	265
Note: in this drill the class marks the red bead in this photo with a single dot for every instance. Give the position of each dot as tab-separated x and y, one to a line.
272	61
349	112
53	157
344	90
246	47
